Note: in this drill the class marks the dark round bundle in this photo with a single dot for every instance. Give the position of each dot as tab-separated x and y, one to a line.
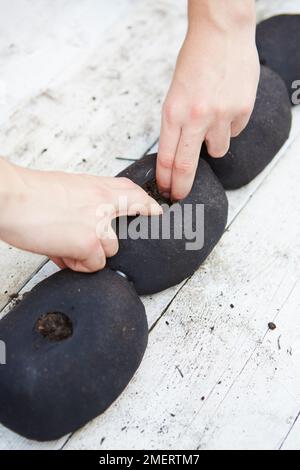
278	40
266	132
73	344
156	264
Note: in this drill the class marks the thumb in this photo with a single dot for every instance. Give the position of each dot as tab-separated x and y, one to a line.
136	201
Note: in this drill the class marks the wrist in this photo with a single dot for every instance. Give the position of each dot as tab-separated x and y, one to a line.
227	16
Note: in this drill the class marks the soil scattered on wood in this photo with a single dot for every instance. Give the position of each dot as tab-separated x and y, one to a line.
15	299
151	188
55	326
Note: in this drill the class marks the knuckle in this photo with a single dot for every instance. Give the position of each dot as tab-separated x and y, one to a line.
89	244
125	181
82	248
114	248
184	166
221	113
102	262
170	112
166	161
77	266
245	110
197	112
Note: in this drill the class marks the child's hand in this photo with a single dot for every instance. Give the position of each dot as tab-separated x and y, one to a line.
213	91
67	216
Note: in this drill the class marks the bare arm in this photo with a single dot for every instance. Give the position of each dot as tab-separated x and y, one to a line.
213	90
66	216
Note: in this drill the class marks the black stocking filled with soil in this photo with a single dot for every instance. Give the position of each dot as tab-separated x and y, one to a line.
278	40
266	132
156	264
72	345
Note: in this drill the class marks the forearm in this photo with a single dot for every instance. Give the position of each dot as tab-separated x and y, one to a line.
12	191
222	14
213	90
8	184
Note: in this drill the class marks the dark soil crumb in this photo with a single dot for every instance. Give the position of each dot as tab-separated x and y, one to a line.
151	188
231	306
271	326
13	296
14	299
202	398
54	326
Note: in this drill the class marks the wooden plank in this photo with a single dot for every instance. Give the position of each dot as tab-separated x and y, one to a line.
265	8
220	380
260	406
45	41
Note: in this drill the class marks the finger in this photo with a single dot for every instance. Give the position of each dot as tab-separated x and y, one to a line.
185	164
134	201
59	262
110	182
218	140
95	261
168	142
119	182
109	240
238	125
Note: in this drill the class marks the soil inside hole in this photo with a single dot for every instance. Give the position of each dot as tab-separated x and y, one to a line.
151	188
54	326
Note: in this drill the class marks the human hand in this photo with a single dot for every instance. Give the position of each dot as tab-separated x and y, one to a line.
68	216
212	93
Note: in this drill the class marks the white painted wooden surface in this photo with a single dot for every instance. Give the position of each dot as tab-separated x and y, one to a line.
123	55
45	41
